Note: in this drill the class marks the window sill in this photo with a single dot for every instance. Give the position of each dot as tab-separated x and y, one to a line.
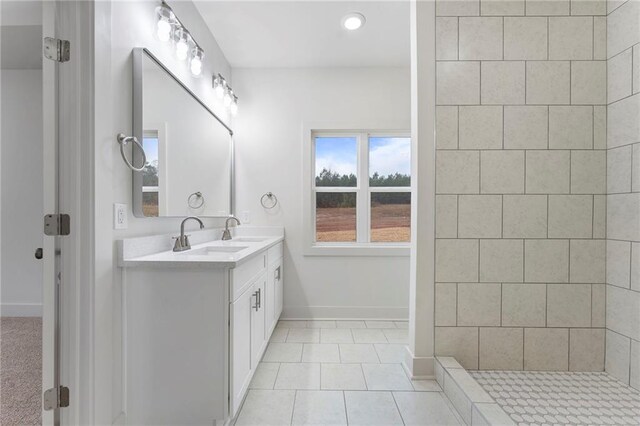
359	250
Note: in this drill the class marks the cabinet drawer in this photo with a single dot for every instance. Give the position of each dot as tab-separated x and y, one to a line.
242	276
275	253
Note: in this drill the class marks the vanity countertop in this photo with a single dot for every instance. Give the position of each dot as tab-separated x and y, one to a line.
213	253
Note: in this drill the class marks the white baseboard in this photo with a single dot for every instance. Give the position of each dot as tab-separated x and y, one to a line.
419	367
21	309
345	312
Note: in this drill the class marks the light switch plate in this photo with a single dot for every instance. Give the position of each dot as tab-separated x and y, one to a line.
120	219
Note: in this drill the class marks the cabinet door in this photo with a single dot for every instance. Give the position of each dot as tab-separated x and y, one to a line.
241	355
278	284
270	300
258	330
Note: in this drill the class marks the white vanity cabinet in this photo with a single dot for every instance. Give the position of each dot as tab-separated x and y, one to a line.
254	314
196	330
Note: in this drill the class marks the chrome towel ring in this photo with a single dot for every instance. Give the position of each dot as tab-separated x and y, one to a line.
194	204
269	200
123	141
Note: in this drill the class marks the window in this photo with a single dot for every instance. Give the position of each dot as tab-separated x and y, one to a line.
361	188
150	178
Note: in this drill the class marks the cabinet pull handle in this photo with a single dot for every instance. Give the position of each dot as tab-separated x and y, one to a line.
259	298
256	306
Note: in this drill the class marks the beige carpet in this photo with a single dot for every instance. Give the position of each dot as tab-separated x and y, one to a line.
20	371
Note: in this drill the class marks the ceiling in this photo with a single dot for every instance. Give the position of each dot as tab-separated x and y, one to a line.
299	34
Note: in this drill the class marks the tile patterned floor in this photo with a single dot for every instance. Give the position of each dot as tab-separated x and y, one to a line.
339	373
537	398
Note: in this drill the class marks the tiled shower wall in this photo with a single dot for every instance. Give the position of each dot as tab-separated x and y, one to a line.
623	189
521	184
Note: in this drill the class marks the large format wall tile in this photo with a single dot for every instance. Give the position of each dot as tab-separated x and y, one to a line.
524	216
546	261
526	127
456	260
501	348
457	172
480	216
587	261
586	349
546	349
502	172
571	38
503	83
524	305
480	127
617	357
623	211
525	38
623	28
501	260
568	305
479	304
623	311
623	126
458	83
521	181
480	38
548	82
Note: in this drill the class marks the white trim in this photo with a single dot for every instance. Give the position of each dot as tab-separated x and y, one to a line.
363	246
21	309
391	313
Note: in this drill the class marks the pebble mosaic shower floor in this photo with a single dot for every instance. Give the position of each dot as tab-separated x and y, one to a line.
560	398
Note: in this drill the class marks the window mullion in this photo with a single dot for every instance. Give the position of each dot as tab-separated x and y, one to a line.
362	211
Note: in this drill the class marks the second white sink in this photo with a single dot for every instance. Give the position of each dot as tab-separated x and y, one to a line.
214	250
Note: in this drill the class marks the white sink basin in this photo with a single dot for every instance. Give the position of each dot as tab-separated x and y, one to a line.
249	239
214	250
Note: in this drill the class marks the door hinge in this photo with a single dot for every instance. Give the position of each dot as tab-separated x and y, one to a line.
56	49
52	399
57	224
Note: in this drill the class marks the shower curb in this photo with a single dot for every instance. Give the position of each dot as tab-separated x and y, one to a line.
474	404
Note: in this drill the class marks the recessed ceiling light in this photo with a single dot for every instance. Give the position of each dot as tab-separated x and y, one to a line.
353	21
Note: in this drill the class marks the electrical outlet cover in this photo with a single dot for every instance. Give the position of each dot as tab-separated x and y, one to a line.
120	219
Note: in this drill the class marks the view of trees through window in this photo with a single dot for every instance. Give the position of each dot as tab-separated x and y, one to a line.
150	180
389	210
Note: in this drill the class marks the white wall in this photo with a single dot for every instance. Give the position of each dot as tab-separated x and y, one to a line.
22	192
274	104
119	27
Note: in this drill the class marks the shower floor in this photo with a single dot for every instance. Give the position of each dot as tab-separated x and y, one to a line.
542	397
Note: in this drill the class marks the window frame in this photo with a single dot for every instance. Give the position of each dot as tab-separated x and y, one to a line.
363	245
159	131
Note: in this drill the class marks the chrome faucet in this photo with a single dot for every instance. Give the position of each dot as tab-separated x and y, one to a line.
182	241
226	235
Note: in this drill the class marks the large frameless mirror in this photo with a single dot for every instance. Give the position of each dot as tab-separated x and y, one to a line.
189	150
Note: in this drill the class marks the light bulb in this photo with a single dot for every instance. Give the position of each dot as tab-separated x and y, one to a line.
164	30
218	86
166	19
227	98
182	38
234	106
197	55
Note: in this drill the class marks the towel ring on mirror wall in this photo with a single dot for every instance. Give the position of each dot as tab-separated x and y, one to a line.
193	204
269	200
123	141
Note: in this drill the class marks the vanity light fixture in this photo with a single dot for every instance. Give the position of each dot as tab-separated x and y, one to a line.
169	25
166	21
219	86
234	106
196	60
225	93
183	40
352	21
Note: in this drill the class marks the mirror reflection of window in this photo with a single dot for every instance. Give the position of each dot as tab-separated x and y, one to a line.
150	179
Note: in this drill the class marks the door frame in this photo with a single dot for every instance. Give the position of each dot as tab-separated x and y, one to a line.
74	21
